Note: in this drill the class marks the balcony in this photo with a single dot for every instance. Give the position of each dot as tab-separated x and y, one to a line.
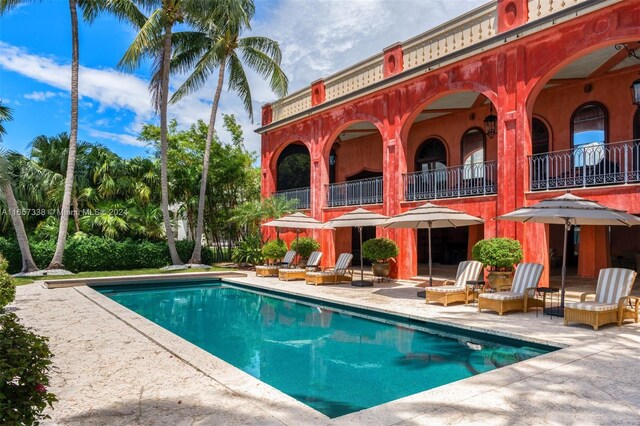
302	196
451	182
594	164
355	193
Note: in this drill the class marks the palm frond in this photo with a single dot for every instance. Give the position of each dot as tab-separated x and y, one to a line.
126	10
203	69
148	42
238	83
265	66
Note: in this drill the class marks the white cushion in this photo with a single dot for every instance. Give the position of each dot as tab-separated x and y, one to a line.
592	306
445	289
504	295
267	267
321	273
614	283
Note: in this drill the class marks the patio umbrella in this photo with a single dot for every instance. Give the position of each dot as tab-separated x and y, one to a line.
296	221
358	218
568	210
431	216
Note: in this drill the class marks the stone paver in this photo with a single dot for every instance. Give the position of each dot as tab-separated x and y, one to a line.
115	367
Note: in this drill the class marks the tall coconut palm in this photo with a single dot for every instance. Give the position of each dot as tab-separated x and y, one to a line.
218	45
154	41
6	186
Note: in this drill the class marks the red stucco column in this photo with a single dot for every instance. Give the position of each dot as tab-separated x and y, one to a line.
319	180
593	253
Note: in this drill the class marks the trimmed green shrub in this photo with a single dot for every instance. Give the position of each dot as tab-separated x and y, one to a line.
304	246
498	254
25	362
274	249
379	249
7	288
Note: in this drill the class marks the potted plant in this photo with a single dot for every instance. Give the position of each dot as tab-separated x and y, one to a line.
499	256
274	250
304	246
379	251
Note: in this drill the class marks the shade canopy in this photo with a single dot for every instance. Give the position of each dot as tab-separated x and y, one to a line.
568	210
355	218
578	211
431	216
296	221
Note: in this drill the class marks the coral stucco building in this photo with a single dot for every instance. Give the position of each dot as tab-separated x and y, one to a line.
511	103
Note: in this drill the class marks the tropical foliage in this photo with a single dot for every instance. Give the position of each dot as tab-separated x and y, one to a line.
498	254
379	249
304	246
275	249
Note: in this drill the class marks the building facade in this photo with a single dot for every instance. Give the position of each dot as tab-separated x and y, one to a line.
511	103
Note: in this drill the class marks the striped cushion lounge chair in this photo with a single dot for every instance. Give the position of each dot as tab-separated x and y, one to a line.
333	275
286	274
272	270
458	292
520	297
612	302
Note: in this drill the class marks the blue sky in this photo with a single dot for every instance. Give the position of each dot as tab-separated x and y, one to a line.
317	38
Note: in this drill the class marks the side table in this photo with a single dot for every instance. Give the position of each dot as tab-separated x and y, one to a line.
553	309
475	287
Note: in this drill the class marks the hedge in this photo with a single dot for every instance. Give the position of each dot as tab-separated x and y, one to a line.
94	253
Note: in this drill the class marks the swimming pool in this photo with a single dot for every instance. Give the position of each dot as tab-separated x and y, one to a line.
333	358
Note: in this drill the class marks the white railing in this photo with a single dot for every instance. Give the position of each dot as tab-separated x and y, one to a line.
541	8
591	165
453	36
291	105
354	78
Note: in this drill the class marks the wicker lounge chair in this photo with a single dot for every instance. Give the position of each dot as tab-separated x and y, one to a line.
458	292
272	270
521	295
333	275
612	301
286	274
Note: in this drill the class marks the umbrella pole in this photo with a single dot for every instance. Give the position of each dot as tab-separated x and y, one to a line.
567	226
361	264
430	275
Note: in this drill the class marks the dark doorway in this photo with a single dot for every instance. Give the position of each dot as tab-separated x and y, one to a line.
448	245
365	174
368	233
556	235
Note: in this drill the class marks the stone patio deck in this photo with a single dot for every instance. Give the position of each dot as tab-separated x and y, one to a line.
115	367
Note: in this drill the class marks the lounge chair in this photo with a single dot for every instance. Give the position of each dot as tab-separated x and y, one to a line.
612	302
272	270
286	274
458	292
520	297
333	275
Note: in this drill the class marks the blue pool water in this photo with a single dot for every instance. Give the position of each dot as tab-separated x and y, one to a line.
335	360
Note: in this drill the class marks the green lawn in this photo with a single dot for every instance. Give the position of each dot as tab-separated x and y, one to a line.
97	274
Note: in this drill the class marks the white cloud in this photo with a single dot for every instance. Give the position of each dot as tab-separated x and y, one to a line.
118	137
40	96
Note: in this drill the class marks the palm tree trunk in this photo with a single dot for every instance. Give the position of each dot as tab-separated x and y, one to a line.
28	265
164	145
76	213
196	257
56	262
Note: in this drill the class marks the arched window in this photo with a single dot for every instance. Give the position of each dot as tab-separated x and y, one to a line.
294	167
473	143
539	137
589	134
431	156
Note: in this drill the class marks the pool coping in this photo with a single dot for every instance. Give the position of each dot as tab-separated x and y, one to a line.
98	281
289	410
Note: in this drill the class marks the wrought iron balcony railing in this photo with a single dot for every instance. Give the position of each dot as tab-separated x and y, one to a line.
301	195
588	165
354	193
451	182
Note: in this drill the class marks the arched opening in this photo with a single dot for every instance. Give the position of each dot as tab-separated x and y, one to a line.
293	167
539	137
431	156
587	108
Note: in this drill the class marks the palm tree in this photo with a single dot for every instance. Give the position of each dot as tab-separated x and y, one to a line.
90	10
218	44
6	186
154	41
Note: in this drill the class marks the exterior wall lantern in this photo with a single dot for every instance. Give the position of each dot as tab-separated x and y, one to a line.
635	92
490	123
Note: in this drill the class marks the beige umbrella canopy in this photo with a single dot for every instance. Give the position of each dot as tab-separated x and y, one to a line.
568	210
431	216
296	221
358	218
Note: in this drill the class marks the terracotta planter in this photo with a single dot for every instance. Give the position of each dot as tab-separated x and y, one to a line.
381	269
500	281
